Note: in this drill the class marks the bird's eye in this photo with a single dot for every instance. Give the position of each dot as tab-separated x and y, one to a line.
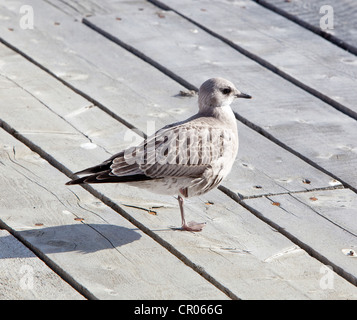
226	90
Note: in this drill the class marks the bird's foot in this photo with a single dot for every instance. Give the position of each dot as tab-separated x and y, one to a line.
193	226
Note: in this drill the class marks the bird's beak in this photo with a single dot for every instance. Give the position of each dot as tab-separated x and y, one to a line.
243	95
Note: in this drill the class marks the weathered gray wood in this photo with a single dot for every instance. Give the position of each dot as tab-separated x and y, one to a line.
63	240
339	207
85	240
308	14
243	254
132	89
310	127
250	176
307	59
85	8
294	52
234	242
24	276
308	217
84	66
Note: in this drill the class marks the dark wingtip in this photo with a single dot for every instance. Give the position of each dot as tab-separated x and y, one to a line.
75	181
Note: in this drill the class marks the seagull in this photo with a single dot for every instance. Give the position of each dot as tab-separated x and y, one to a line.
186	158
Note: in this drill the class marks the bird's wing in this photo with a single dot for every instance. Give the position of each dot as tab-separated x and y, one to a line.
183	150
173	151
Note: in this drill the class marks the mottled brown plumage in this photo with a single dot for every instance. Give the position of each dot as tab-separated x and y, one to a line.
187	158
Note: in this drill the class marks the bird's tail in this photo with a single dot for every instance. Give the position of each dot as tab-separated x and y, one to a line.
106	177
76	181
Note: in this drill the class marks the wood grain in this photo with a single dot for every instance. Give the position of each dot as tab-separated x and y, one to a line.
307	60
308	15
286	114
225	251
67	109
84	241
24	276
158	99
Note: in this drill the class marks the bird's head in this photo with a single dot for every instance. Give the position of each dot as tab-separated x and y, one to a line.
216	93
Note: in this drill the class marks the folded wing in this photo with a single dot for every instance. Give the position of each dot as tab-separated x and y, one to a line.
178	151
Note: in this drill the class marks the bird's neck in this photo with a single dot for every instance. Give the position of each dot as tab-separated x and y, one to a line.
223	113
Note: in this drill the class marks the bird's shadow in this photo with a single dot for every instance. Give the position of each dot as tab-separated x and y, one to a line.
82	238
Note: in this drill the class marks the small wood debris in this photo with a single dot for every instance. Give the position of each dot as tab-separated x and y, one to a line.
79	219
160	14
349	253
209	203
276	204
306	181
334	182
39	224
187	93
56	23
10	29
313	198
118	18
150	211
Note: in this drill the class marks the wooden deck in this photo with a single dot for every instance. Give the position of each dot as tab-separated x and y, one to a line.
92	76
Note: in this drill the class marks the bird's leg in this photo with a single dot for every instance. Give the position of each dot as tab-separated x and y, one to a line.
192	225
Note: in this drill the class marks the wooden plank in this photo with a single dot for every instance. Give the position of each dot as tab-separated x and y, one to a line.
304	58
339	207
158	224
87	242
312	218
24	276
250	169
308	14
84	8
246	257
226	252
250	177
83	66
286	113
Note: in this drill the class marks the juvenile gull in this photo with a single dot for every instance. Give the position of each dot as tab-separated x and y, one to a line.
186	158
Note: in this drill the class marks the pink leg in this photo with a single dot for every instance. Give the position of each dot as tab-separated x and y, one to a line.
192	225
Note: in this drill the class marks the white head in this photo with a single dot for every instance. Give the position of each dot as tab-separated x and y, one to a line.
216	93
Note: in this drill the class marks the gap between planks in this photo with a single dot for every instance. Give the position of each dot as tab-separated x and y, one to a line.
52	265
48	262
122	212
52	161
264	63
328	36
174	77
307	248
107	201
190	86
73	88
241	197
